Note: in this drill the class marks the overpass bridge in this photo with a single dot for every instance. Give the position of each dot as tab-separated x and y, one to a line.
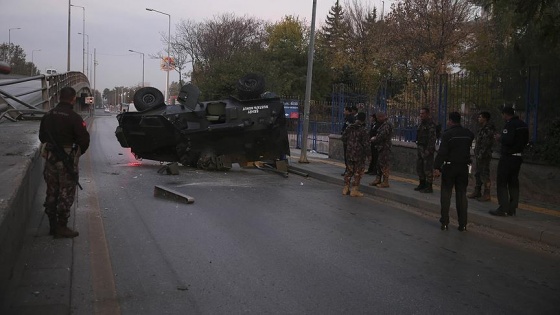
28	97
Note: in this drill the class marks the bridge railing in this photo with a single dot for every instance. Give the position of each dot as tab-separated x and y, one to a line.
20	97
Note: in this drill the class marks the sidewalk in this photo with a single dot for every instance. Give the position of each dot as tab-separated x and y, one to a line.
538	223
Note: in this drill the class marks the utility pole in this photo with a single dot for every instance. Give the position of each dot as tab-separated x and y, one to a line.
68	56
306	107
94	74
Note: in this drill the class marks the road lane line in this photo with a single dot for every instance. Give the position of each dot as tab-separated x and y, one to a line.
103	282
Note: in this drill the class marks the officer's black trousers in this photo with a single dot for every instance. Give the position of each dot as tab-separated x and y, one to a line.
373	167
507	182
454	175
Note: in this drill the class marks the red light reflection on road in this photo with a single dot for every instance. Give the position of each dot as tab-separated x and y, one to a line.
132	161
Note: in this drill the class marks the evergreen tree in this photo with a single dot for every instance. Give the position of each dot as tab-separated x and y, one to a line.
333	42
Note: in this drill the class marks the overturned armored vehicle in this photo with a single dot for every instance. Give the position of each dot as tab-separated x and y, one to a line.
209	135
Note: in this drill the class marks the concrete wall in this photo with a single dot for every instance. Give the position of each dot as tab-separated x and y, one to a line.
538	183
24	177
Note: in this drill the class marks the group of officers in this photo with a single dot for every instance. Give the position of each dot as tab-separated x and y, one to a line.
451	161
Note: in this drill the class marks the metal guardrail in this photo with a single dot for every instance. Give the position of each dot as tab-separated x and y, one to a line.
27	97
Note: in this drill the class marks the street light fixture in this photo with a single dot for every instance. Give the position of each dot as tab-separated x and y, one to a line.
168	50
83	37
10	42
32	63
87	63
134	51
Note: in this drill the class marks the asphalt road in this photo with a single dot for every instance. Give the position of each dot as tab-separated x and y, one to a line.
255	242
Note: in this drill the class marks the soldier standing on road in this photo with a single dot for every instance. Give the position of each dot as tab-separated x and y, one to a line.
64	135
483	157
514	138
382	142
356	137
349	119
426	147
452	161
373	169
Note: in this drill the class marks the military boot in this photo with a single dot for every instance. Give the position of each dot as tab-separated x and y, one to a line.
355	192
428	189
385	183
346	190
476	193
62	231
486	195
421	186
376	182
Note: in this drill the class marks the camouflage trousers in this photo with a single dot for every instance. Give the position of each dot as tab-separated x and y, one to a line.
354	173
482	172
61	191
425	165
384	161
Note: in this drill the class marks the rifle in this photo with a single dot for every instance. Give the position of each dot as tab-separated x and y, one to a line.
66	158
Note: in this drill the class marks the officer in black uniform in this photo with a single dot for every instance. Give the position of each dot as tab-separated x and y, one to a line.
452	160
514	138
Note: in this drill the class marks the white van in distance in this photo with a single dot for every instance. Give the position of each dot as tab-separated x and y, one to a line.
50	72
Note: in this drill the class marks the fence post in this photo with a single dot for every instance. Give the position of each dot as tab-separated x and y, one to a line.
314	142
298	133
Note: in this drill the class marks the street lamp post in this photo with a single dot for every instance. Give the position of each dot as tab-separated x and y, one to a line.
83	37
168	51
10	42
32	63
68	52
142	63
87	63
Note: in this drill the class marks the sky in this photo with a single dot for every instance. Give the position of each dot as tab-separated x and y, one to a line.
115	27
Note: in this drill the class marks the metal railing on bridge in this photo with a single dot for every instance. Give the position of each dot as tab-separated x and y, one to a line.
30	97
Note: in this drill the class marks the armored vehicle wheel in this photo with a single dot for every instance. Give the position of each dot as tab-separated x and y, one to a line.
250	86
148	97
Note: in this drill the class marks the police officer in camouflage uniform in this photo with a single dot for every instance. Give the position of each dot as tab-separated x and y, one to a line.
357	151
383	143
483	157
426	147
64	129
349	119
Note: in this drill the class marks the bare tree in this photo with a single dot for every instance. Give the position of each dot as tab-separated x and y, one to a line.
427	37
218	39
365	33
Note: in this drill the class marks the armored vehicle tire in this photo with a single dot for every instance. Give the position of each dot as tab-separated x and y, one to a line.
250	86
147	97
